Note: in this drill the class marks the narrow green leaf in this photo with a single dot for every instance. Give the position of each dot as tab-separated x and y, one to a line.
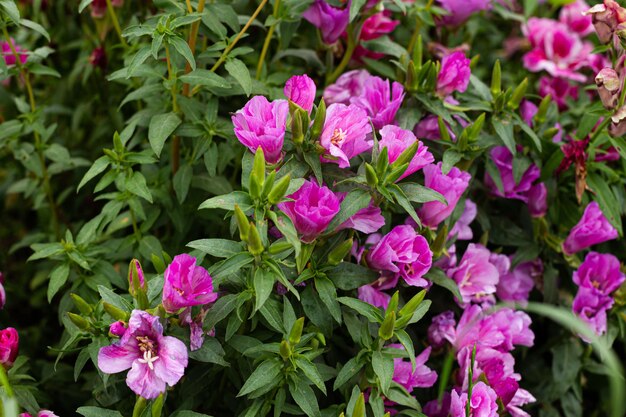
183	48
264	374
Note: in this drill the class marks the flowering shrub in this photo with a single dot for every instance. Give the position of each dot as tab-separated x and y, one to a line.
312	207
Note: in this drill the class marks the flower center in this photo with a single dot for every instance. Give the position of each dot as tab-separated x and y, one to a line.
179	291
149	349
339	135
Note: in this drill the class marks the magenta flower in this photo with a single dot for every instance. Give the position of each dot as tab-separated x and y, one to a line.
475	275
135	268
591	306
516	284
521	397
428	128
345	133
461	229
312	209
261	124
397	140
41	413
482	404
592	228
454	74
451	185
460	10
442	329
560	89
380	100
98	9
503	158
515	328
117	328
600	271
349	85
374	296
154	360
186	284
331	21
3	294
528	110
367	220
573	15
447	260
375	26
7	53
9	346
421	377
538	200
301	90
403	251
556	49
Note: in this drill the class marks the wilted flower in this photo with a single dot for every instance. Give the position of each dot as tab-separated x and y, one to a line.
606	18
301	90
475	275
186	284
380	100
154	360
503	159
331	21
573	15
460	10
349	85
312	209
600	271
461	229
591	229
9	346
451	185
345	133
609	86
405	252
397	140
454	74
482	404
98	58
261	124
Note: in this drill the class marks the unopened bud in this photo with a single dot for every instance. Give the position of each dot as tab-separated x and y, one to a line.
79	321
318	123
115	312
370	175
386	329
340	252
242	223
284	350
255	244
136	281
296	331
608	84
81	304
496	79
278	191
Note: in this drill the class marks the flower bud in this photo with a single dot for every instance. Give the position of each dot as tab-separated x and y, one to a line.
9	346
81	304
370	175
496	79
296	331
278	191
242	223
609	86
336	255
540	117
297	130
257	175
115	312
618	125
518	94
79	321
359	407
136	281
117	328
409	308
284	350
318	123
255	244
386	329
393	303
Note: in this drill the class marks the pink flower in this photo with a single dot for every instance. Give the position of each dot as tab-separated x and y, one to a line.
41	413
117	328
345	132
461	229
367	220
516	284
447	260
434	408
374	296
515	328
7	53
460	10
134	269
428	128
591	306
475	275
482	404
573	15
186	284
528	110
592	228
538	200
3	295
9	346
503	159
454	75
350	84
441	329
520	398
312	209
377	25
380	100
421	377
403	251
601	272
98	9
301	90
556	49
331	21
154	360
451	185
559	89
397	140
262	124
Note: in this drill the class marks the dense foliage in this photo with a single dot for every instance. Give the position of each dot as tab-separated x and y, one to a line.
312	207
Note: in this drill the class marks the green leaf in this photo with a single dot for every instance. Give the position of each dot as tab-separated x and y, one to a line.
304	396
438	277
220	248
239	71
11	10
83	5
228	201
58	277
504	130
365	309
161	127
182	182
204	78
98	166
404	202
263	286
136	184
383	368
405	340
222	308
97	412
328	294
183	48
419	194
354	201
286	227
231	265
348	370
355	8
606	200
348	276
45	250
310	371
188	413
114	299
210	352
213	24
264	374
36	27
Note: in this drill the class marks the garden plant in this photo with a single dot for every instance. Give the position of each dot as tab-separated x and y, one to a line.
321	208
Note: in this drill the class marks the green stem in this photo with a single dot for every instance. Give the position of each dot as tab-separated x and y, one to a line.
266	44
414	36
4	380
116	23
193	39
600	128
345	60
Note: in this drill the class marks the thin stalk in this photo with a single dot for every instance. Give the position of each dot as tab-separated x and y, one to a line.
193	38
42	160
268	40
600	128
4	380
134	221
116	23
345	60
175	139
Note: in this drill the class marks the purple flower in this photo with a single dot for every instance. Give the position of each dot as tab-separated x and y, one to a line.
460	10
374	296
538	200
601	272
154	360
403	251
262	124
380	100
196	332
451	185
592	228
186	284
367	220
503	158
454	75
117	328
515	285
591	306
331	21
441	330
301	90
312	209
345	132
447	260
421	377
9	346
349	85
573	15
461	229
475	275
482	404
428	128
397	140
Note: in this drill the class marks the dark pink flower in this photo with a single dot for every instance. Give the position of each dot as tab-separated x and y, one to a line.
538	200
374	296
98	9
442	329
98	58
600	271
311	209
117	328
186	284
592	228
331	21
461	229
380	100
345	133
573	15
367	220
454	74
41	413
301	90
560	89
475	275
154	360
482	404
261	124
451	185
377	25
460	10
420	377
503	159
7	52
499	379
349	85
521	397
9	346
397	140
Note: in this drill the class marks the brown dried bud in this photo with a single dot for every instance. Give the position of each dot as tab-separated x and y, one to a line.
608	84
